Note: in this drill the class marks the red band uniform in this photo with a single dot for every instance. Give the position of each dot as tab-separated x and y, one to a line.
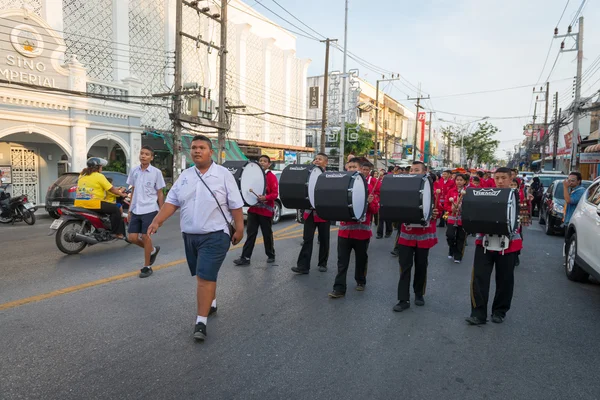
455	234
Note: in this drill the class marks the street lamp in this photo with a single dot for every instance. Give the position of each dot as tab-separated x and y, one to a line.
462	134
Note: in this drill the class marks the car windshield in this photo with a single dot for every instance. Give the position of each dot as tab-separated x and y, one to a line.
67	180
559	193
119	179
548	179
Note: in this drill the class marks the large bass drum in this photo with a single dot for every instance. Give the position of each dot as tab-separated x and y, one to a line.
250	178
406	199
341	196
490	211
297	186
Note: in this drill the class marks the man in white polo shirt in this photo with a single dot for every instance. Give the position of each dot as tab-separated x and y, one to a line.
209	199
146	198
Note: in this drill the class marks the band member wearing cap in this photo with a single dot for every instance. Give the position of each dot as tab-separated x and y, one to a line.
455	234
261	215
354	235
312	222
414	245
483	265
444	184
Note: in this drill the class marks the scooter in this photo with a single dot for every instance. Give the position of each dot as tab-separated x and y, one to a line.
15	209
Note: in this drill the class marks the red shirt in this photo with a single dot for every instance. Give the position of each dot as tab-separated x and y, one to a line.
453	219
422	238
361	230
267	208
488	183
316	218
445	187
515	244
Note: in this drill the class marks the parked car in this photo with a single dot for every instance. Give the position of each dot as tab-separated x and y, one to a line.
547	179
62	192
553	206
582	252
280	210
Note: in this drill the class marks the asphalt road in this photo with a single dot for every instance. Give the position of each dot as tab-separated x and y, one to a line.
84	327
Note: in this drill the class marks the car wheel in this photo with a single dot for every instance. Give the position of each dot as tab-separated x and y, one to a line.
277	213
573	271
548	227
53	214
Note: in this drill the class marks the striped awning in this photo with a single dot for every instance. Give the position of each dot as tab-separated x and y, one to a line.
595	148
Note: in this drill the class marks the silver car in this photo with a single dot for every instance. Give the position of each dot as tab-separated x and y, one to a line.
280	210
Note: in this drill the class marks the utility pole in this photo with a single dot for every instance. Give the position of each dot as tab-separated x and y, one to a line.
177	101
222	82
576	106
530	142
547	133
325	84
428	154
556	130
376	144
418	99
344	77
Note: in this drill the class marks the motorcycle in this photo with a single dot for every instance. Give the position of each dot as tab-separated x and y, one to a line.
79	227
15	209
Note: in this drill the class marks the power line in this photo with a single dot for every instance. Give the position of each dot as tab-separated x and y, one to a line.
495	90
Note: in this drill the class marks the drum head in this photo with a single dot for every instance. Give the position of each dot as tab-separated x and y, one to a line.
312	183
511	212
426	199
253	178
359	197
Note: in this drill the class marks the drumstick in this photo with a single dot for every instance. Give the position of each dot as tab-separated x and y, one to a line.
375	186
252	191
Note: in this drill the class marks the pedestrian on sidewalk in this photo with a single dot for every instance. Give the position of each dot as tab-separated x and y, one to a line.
261	215
147	197
209	199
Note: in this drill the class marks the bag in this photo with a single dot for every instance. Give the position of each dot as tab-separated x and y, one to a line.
230	224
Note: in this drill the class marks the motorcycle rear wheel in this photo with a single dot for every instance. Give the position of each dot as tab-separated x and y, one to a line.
28	216
70	227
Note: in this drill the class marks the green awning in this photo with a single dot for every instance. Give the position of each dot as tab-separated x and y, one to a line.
232	150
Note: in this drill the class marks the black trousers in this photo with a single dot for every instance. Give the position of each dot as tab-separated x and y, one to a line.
388	227
116	219
345	247
266	226
481	276
307	246
405	258
457	238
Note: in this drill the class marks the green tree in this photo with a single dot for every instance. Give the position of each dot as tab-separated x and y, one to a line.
480	144
116	165
450	134
361	146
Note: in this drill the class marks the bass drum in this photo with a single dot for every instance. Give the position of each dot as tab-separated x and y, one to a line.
250	179
406	199
490	211
297	186
341	196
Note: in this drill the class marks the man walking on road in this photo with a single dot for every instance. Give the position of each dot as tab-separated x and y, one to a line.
261	215
209	199
146	199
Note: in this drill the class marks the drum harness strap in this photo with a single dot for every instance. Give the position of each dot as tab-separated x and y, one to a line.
496	242
355	227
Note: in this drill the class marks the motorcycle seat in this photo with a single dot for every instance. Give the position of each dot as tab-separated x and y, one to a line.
85	210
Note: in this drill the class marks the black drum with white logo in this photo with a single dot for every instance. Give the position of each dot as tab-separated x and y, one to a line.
490	211
341	196
407	199
250	178
297	186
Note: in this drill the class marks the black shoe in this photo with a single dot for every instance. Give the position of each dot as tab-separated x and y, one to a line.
387	235
322	268
401	306
395	253
475	321
300	271
360	287
419	300
200	331
497	319
145	272
517	261
379	236
213	310
242	261
271	260
336	294
153	256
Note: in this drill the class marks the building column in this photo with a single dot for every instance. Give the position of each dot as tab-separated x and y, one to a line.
53	15
120	46
304	101
289	134
242	31
78	140
134	88
268	45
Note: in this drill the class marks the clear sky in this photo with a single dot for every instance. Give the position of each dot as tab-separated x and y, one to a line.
454	47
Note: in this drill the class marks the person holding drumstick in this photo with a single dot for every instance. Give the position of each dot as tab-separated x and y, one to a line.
414	245
261	215
455	234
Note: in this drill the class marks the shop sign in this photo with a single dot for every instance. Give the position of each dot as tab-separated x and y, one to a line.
589	158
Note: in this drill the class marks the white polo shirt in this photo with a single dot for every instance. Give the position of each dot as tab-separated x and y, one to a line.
199	211
146	184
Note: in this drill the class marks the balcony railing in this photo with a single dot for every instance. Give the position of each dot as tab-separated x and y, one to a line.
106	88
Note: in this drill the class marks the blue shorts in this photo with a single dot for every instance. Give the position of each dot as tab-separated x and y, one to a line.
140	223
205	253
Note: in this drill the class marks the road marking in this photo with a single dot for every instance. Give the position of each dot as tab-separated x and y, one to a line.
77	288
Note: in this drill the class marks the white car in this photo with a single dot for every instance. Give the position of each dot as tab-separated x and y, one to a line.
280	210
582	252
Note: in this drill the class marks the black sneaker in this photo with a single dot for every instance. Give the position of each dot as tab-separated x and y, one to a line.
401	306
200	331
379	237
360	287
153	256
322	268
270	260
387	235
300	271
497	319
419	300
213	310
475	321
395	253
336	294
145	272
242	261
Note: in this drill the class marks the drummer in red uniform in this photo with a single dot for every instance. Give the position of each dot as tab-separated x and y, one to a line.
261	215
444	184
356	236
414	245
483	265
312	222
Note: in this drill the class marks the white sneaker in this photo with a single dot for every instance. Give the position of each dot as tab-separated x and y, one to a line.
450	257
456	261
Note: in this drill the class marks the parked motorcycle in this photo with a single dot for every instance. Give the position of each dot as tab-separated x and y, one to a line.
15	209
